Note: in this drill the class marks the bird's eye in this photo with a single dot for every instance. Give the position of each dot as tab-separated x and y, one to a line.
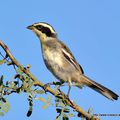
39	27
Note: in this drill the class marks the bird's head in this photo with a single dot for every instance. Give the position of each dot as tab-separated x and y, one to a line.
43	30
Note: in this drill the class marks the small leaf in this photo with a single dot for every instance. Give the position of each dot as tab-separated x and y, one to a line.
58	110
6	56
1	80
4	107
66	110
57	83
30	99
79	114
65	117
1	114
20	71
16	83
83	118
41	99
90	110
28	66
45	106
30	103
3	99
2	61
57	104
10	63
17	76
39	91
58	117
71	115
8	105
18	90
7	83
12	84
62	104
49	99
29	113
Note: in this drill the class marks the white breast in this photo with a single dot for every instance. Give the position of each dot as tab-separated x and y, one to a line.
53	57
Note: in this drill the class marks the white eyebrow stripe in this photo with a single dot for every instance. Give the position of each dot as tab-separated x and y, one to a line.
46	25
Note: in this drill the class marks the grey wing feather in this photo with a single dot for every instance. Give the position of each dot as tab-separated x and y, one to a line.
69	56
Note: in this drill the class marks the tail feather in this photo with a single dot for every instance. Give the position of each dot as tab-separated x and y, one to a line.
99	88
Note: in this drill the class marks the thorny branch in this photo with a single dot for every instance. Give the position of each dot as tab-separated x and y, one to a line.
48	89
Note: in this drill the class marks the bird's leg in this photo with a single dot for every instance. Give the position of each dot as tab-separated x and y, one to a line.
69	91
70	84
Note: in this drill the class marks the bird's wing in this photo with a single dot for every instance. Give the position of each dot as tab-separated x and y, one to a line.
70	58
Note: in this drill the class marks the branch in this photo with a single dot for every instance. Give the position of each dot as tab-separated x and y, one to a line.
48	89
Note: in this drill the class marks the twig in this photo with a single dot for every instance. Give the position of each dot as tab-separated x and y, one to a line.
40	84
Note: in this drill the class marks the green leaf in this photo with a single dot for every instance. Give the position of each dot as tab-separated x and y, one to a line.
65	117
20	71
29	111
90	110
3	100
57	83
39	91
19	90
4	107
41	99
45	106
1	80
57	104
66	110
71	115
2	61
58	117
79	115
30	100
49	99
17	76
1	114
82	118
58	110
62	104
12	84
8	105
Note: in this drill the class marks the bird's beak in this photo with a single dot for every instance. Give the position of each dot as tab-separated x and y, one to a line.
30	27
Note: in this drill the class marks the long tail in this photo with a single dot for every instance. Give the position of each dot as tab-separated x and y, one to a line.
99	88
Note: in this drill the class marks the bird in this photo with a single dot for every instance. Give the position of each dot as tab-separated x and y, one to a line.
60	61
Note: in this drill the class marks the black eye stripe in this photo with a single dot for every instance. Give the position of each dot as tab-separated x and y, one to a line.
45	30
39	27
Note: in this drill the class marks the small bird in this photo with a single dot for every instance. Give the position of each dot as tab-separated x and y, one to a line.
61	62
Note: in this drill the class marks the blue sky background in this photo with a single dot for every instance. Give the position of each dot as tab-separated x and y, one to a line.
91	29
